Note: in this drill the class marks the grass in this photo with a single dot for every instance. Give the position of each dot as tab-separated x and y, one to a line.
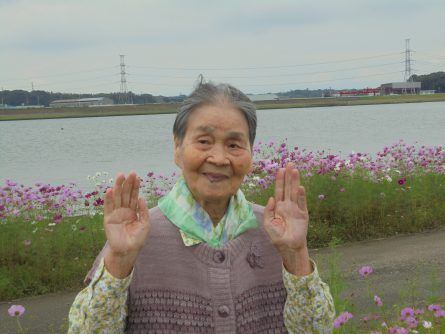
381	319
57	258
151	109
356	208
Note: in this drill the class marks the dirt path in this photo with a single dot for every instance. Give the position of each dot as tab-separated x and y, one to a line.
401	264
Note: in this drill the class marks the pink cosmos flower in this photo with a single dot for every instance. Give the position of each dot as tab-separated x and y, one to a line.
366	318
342	319
406	312
378	301
365	271
57	219
402	181
434	307
411	322
16	310
342	190
398	330
440	314
321	197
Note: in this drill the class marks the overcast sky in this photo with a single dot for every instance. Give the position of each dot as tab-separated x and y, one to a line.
258	46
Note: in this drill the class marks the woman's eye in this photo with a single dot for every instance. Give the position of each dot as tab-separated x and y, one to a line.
203	141
234	145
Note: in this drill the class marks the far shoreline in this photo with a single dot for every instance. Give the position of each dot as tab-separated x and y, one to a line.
17	114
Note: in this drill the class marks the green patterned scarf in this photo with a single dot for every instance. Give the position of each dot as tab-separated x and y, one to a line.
195	224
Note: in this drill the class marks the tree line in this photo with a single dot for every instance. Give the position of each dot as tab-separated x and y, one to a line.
43	98
433	81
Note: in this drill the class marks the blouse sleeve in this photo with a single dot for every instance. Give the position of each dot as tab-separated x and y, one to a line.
102	306
309	306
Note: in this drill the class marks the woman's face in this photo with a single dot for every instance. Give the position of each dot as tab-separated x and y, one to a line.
215	154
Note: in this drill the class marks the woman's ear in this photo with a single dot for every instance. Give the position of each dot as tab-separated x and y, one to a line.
178	158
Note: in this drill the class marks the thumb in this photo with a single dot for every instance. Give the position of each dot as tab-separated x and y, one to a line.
143	211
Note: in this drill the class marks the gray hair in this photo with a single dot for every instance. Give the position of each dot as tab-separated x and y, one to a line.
215	94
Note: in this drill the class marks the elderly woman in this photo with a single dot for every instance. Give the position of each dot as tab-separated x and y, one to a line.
205	260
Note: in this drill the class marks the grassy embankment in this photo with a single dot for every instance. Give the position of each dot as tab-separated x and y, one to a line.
150	109
39	256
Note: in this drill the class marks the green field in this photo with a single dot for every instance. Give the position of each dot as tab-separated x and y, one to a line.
150	109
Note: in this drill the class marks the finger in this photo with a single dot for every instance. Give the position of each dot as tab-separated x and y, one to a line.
288	181
143	211
279	185
127	189
117	191
295	185
269	210
302	204
135	193
108	202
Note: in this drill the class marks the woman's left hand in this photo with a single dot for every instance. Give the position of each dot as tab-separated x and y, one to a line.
286	220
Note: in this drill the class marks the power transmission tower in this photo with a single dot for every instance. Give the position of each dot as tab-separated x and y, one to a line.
123	94
408	77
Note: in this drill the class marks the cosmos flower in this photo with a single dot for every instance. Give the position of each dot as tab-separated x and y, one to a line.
365	271
342	319
16	310
378	301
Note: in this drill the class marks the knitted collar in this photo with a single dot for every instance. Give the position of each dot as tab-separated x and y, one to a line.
195	224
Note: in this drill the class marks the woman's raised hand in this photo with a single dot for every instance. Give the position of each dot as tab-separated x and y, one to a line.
126	224
286	220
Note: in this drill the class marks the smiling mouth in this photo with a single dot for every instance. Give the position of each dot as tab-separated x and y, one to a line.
212	177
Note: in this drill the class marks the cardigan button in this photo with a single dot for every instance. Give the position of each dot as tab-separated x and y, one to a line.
223	311
219	256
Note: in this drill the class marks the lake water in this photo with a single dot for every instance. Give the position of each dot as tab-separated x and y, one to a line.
59	151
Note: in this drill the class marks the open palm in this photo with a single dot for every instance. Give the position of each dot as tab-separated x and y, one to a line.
286	216
126	220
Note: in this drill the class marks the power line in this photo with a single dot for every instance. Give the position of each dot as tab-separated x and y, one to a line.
263	67
280	84
279	75
61	74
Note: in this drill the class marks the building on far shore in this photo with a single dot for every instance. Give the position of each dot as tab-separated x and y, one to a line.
399	88
85	102
262	97
427	92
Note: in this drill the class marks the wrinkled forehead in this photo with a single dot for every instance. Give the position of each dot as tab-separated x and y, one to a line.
209	118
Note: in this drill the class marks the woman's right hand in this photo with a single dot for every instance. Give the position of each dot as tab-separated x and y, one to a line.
126	224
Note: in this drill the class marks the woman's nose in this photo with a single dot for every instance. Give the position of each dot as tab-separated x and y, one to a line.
217	155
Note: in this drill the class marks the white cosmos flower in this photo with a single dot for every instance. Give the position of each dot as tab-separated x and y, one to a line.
427	324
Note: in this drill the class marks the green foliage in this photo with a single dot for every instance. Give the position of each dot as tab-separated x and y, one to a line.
56	259
433	81
353	207
357	208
